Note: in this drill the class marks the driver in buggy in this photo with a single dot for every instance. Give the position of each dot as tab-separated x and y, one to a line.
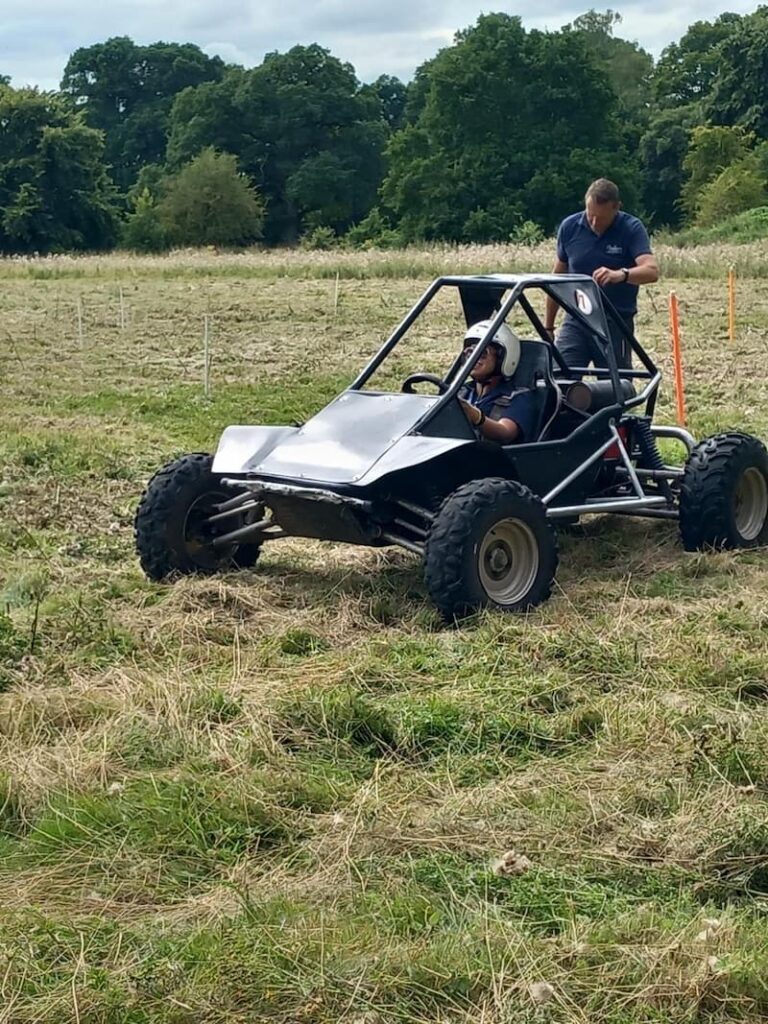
500	411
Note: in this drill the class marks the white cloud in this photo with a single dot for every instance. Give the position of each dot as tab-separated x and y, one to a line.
228	52
377	38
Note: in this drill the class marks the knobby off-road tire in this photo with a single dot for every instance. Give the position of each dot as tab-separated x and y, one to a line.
491	544
724	493
169	527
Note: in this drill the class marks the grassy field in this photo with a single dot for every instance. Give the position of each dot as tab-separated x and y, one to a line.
291	794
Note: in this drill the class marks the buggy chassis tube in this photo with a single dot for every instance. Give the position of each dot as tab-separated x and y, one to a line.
460	369
623	505
396	335
409	545
677	434
598	453
262	487
296	490
613	371
249	530
669	473
638	503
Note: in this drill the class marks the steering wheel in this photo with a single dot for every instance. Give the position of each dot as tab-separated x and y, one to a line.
423	378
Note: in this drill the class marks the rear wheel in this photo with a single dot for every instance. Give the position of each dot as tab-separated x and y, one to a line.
724	493
171	526
491	544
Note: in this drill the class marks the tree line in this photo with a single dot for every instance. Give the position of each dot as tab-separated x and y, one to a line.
494	139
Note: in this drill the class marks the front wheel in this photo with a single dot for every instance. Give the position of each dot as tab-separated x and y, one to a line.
491	544
171	526
724	493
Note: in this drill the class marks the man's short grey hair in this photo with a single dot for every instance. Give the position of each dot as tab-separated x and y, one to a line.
603	191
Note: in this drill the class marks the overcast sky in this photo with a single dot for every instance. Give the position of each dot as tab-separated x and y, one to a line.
376	37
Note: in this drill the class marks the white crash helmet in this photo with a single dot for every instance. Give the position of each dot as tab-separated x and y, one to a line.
505	338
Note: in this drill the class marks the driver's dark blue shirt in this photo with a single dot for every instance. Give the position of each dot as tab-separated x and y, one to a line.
618	247
504	402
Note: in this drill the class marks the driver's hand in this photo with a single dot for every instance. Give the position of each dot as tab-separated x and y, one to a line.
472	413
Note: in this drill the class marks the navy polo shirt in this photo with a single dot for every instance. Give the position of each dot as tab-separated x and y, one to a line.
521	408
618	247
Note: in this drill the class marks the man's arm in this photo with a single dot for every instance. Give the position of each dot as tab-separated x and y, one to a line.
645	271
502	431
513	419
505	430
550	311
642	265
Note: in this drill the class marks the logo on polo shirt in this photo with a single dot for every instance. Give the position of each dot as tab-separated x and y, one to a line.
614	250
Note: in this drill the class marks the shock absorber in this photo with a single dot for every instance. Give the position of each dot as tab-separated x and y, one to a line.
649	454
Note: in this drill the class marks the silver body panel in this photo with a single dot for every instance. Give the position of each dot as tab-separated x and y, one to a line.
358	438
241	448
411	450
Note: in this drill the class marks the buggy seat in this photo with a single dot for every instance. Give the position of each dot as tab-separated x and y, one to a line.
534	371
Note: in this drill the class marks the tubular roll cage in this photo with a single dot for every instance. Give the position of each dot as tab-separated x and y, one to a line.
558	287
495	285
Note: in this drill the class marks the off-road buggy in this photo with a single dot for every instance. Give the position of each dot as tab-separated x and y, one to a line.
382	467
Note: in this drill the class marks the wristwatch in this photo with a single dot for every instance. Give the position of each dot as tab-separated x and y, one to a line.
482	419
625	272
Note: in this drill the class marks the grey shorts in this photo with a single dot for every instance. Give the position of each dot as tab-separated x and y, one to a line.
575	344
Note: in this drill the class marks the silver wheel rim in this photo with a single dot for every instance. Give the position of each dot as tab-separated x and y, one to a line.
508	561
750	503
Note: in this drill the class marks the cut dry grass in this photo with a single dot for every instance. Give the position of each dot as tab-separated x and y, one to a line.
692	261
284	795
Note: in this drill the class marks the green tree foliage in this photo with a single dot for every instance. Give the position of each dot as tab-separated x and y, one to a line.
628	66
392	94
750	226
55	193
417	93
127	91
308	136
209	202
663	148
511	126
374	231
711	151
496	135
144	230
687	70
736	189
681	79
739	94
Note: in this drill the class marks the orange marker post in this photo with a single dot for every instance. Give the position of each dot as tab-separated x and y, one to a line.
677	358
731	305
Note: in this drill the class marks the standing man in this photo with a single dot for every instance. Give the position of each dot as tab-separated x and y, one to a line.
613	248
